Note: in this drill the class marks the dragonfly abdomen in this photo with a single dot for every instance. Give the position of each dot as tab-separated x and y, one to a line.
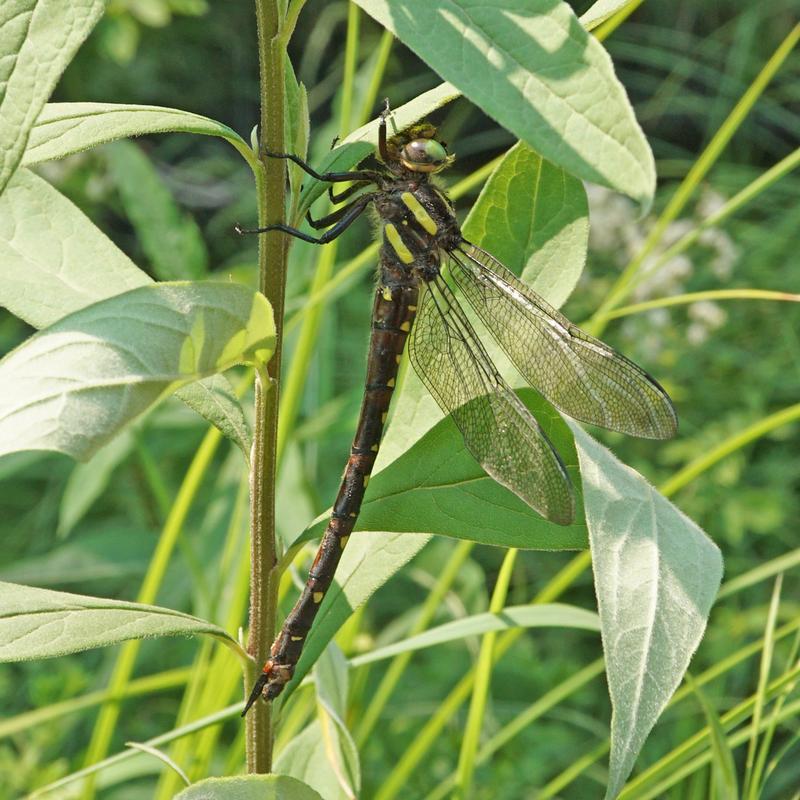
392	317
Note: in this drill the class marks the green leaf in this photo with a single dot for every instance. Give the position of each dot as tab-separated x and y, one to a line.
600	11
534	217
656	575
216	402
249	787
55	261
39	38
544	615
39	623
324	755
531	66
307	757
436	486
73	386
170	238
66	128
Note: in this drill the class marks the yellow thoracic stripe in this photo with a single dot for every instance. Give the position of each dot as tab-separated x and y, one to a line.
420	214
403	253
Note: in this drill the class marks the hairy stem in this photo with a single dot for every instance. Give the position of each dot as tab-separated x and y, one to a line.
272	282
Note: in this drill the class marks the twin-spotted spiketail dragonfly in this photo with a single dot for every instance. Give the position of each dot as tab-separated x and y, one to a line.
577	373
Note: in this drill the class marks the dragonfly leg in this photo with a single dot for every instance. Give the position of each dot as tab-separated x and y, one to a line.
367	175
346	193
336	216
350	214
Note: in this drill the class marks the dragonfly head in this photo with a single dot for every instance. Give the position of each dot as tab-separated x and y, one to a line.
418	150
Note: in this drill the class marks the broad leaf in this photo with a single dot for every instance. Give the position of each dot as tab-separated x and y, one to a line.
169	237
600	11
39	38
216	402
66	128
73	386
308	755
39	623
656	575
543	615
324	755
530	65
438	487
55	261
249	787
534	217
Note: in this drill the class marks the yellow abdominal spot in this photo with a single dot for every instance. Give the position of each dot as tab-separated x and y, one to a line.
403	253
297	638
420	214
343	541
318	596
387	293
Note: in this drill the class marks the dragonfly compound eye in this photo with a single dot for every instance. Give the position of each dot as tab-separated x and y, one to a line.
424	155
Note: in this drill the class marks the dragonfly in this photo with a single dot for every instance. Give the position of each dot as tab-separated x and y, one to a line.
415	306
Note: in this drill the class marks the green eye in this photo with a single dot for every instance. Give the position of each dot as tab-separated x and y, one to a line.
424	154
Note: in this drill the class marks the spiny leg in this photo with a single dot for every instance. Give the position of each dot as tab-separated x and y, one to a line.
336	216
367	175
346	193
350	215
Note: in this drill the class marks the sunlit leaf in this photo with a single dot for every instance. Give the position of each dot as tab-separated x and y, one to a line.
66	128
600	11
534	217
74	385
39	38
249	787
55	261
656	575
40	623
530	65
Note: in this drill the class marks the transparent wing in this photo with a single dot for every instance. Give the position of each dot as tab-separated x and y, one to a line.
497	428
577	373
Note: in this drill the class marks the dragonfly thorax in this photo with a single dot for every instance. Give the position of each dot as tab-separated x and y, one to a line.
418	226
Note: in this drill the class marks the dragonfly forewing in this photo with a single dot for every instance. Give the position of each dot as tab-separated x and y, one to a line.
580	375
498	429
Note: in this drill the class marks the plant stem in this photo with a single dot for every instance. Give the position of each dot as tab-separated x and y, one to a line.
271	185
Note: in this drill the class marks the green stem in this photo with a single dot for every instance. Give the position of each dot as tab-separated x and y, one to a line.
696	297
480	689
271	183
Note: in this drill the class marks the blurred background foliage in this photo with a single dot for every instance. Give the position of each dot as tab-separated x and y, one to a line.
171	202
